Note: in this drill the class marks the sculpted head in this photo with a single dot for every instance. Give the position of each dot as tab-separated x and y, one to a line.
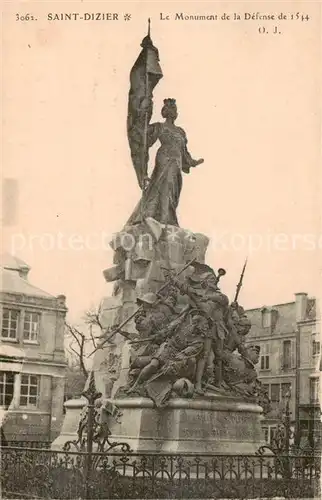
244	325
240	319
169	109
253	353
211	281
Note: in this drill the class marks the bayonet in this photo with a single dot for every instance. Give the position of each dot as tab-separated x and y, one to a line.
240	283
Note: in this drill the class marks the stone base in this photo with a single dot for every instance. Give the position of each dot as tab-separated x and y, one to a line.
68	432
206	425
210	424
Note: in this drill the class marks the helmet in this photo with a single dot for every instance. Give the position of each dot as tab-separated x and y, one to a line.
202	268
183	387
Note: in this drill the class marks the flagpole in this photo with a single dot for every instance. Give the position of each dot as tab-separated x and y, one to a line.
145	138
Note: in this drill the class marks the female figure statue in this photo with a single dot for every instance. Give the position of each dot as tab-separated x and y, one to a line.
160	197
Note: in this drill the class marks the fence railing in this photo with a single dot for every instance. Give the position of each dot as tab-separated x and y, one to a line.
42	473
29	444
94	466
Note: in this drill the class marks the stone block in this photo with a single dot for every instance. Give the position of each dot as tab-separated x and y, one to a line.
144	248
137	269
125	311
108	318
205	425
197	249
154	272
175	252
126	292
113	273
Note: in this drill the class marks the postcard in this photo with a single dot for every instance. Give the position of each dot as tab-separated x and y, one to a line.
161	268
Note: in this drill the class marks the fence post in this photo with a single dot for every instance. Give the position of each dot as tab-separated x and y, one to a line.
287	424
91	394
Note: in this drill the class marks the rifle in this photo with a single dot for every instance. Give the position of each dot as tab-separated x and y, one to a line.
240	283
119	328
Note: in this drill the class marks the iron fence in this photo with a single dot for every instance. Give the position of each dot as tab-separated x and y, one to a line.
31	473
93	466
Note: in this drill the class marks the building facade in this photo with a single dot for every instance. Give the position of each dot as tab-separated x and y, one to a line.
32	358
289	339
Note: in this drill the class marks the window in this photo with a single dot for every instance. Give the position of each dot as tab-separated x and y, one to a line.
29	390
287	354
269	433
275	393
31	326
314	390
265	429
316	348
9	329
278	392
286	390
264	356
272	434
6	388
266	318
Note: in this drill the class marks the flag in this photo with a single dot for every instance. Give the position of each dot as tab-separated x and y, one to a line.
144	76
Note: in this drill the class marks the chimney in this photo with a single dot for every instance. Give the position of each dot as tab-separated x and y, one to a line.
61	299
300	306
23	272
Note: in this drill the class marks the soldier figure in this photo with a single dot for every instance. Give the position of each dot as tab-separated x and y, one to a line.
241	375
151	321
238	325
240	370
212	303
179	353
156	312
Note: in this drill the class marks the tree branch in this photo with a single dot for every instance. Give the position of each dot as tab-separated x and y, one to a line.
80	339
92	336
92	317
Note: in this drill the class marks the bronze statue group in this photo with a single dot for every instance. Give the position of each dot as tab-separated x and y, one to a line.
192	343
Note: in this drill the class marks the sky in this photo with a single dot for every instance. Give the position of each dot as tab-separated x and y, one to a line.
248	101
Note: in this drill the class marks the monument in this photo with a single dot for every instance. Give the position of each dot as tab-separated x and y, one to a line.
173	358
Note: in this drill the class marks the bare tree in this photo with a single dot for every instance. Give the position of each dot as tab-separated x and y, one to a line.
79	340
77	346
92	318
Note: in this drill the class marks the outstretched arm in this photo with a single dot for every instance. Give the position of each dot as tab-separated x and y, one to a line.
187	160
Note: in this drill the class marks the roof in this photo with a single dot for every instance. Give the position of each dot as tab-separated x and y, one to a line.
11	282
283	320
13	277
9	261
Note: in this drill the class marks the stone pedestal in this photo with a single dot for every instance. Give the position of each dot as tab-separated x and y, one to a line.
68	432
210	424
